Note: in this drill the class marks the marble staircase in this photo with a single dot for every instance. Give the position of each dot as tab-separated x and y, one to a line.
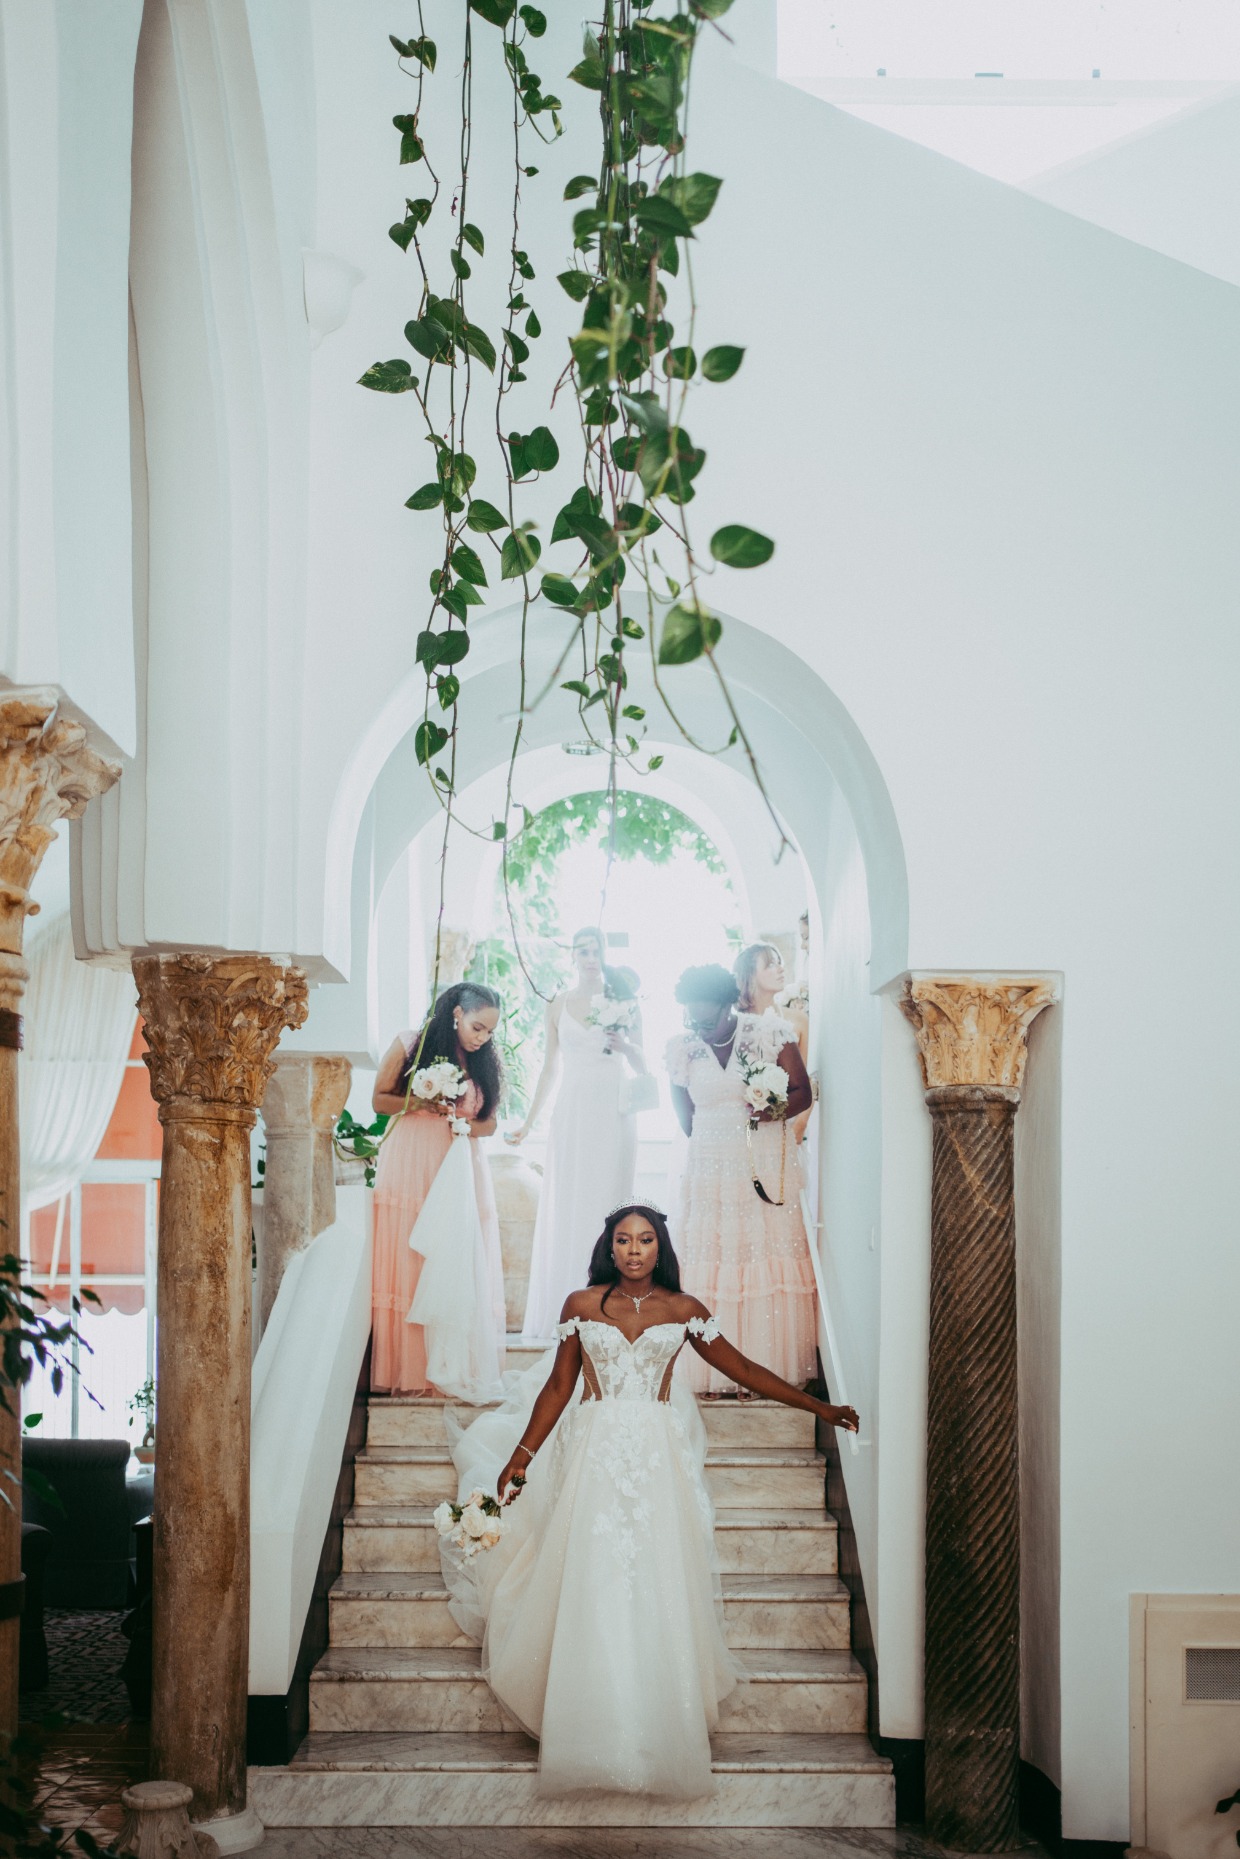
404	1730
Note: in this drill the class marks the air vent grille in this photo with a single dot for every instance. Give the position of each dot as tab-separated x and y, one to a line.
1212	1674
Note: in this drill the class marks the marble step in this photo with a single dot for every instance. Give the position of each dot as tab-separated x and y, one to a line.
761	1477
417	1420
418	1780
400	1538
523	1351
759	1611
442	1688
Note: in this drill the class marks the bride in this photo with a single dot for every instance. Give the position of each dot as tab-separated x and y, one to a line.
600	1608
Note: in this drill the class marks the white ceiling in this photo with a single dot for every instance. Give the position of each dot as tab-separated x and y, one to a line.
1012	88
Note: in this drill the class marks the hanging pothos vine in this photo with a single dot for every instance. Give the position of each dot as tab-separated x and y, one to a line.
630	578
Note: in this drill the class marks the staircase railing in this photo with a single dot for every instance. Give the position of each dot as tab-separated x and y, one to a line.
304	1378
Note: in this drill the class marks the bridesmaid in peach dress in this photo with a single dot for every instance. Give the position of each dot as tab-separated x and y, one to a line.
460	1029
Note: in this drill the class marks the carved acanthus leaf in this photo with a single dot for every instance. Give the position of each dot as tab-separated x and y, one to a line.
973	1029
48	772
212	1023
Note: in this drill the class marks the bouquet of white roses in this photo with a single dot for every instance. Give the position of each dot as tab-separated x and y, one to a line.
476	1524
766	1084
614	1016
441	1083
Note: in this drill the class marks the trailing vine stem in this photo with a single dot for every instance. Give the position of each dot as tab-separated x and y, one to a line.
637	461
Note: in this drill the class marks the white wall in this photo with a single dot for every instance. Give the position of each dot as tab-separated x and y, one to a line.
1039	1196
846	1052
1175	188
1023	560
305	1376
223	157
66	118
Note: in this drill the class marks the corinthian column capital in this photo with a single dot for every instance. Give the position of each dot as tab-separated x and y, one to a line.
212	1023
48	772
972	1029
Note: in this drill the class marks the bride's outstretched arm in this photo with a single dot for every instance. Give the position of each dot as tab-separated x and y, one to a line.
729	1361
546	1411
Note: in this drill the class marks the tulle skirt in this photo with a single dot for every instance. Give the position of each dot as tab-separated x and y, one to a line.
408	1163
600	1612
747	1261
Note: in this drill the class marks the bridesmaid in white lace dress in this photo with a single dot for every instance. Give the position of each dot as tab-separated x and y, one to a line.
600	1611
745	1253
592	1146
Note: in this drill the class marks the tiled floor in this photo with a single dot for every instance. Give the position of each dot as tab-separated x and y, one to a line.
82	1770
597	1843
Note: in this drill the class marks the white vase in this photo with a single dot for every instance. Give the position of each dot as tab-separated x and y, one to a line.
517	1187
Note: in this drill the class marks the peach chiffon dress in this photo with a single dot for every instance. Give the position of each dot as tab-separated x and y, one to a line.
747	1261
408	1163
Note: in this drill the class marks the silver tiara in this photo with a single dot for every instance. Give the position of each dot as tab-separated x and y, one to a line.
634	1203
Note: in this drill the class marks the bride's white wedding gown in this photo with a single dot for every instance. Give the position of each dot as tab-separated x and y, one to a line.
600	1611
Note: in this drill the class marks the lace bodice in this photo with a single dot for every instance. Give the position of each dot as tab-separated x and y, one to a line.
720	1088
617	1370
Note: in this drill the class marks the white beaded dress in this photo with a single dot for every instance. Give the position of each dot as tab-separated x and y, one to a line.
600	1611
748	1261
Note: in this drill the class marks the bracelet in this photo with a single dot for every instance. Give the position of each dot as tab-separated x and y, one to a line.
522	1447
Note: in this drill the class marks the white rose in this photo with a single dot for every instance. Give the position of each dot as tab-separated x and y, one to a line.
449	1079
490	1539
443	1518
473	1520
424	1085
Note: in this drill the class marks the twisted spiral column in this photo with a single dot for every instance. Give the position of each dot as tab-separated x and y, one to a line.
972	1476
972	1041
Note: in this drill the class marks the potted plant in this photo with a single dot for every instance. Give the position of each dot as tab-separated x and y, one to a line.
143	1403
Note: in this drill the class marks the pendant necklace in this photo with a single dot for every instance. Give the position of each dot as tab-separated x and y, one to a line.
637	1302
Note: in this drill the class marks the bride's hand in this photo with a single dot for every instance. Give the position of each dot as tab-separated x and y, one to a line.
845	1417
517	1136
511	1479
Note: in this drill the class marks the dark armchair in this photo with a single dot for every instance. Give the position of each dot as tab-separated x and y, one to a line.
88	1559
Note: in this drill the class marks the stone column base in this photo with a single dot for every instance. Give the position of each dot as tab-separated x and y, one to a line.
156	1826
233	1833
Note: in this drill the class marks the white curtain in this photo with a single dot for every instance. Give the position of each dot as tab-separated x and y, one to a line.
79	1023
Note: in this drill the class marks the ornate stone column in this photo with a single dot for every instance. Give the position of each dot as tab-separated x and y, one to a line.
971	1034
47	773
212	1023
305	1095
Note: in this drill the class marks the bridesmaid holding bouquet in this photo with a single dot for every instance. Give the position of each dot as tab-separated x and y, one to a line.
459	1032
744	1249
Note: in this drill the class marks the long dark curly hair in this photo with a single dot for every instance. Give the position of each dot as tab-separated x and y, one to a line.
711	982
603	1267
437	1040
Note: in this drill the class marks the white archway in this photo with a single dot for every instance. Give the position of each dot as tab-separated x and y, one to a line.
814	759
